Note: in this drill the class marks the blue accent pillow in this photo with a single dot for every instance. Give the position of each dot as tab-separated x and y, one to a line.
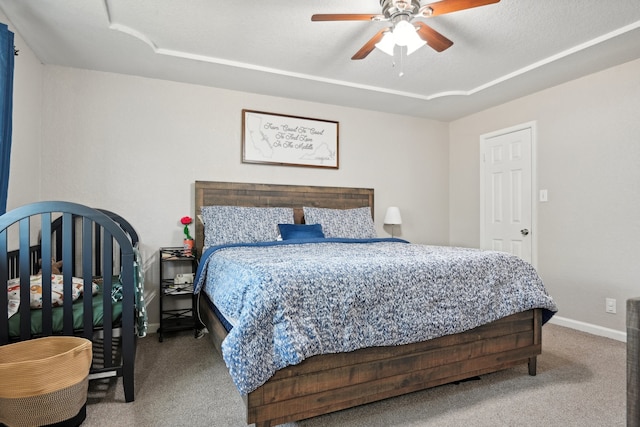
300	231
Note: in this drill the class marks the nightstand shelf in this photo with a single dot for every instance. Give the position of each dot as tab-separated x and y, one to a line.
177	301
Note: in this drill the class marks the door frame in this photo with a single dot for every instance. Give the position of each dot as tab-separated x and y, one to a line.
534	182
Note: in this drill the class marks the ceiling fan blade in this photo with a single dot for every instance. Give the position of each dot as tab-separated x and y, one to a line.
433	38
448	6
345	17
370	45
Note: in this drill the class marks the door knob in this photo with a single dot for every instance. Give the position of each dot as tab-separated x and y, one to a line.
524	231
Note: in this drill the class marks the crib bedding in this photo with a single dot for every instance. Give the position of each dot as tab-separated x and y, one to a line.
35	291
297	298
96	303
57	312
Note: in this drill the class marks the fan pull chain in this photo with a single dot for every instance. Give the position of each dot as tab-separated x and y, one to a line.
399	52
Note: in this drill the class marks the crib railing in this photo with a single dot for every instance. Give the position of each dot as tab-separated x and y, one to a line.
35	254
84	232
35	251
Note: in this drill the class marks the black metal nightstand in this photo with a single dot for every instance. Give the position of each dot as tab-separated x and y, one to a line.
176	283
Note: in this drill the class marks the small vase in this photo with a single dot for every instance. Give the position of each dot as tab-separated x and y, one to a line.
187	246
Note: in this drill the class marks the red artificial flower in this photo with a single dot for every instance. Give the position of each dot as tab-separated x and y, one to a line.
186	220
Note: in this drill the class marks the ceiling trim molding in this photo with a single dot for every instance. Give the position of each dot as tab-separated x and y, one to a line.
113	25
545	61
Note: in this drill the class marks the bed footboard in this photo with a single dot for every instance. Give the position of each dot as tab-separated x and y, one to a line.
328	383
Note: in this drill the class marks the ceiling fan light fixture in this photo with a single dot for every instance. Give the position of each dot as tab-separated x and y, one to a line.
405	34
402	32
387	43
414	44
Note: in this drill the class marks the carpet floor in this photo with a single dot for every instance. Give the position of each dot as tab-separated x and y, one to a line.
182	381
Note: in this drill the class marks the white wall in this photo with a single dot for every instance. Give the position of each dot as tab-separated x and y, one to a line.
136	146
24	171
589	160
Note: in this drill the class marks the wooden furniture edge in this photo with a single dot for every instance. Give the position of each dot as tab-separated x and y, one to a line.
328	383
499	345
209	193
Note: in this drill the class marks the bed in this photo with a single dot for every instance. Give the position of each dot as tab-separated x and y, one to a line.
316	383
97	294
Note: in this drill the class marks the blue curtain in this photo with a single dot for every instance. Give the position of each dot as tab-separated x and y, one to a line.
7	54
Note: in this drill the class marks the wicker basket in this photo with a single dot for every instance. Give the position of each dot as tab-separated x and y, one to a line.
43	381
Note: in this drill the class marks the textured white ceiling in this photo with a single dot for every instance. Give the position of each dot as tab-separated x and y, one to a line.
500	52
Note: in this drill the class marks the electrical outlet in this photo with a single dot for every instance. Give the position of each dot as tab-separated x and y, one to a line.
610	305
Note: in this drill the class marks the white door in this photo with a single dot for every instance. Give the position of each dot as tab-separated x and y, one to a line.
506	192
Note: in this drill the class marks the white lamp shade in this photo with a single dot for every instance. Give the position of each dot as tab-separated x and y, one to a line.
387	44
393	216
415	44
404	33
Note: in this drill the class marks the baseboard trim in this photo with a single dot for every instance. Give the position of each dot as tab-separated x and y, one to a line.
152	328
589	328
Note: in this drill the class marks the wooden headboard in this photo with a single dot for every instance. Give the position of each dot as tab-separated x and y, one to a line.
210	193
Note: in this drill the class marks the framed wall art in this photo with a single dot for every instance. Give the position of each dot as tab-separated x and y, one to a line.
289	140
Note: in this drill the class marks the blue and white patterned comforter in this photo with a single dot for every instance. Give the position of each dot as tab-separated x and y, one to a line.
296	299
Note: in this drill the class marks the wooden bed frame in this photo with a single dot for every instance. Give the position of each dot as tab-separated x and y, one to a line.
328	383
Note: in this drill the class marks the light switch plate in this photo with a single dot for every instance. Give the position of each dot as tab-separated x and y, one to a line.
544	196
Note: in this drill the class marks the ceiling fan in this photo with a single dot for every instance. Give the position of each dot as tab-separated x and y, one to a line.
406	29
